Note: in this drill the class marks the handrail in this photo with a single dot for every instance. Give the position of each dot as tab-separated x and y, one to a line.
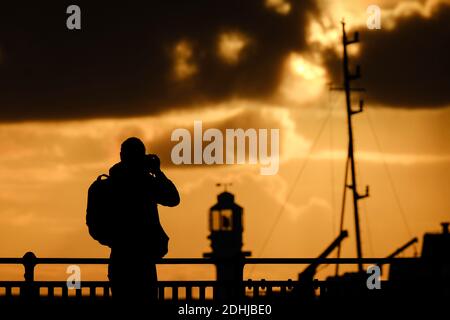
213	261
30	261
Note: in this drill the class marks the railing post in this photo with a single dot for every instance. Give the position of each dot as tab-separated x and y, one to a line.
29	291
161	293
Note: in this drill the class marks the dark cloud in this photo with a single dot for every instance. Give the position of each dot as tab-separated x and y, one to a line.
408	66
120	63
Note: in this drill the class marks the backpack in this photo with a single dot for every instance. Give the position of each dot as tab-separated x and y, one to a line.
100	210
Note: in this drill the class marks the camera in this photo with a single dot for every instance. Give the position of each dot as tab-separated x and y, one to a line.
152	163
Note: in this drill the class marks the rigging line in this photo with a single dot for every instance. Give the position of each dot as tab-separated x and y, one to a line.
391	181
366	216
297	178
369	233
299	174
341	225
365	212
333	193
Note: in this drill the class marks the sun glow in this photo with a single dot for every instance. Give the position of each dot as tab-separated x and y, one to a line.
304	68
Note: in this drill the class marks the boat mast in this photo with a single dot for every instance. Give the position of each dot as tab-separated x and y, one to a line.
351	158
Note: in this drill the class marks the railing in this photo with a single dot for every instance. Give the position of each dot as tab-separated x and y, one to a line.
167	290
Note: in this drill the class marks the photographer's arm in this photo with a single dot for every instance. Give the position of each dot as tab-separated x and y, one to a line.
166	192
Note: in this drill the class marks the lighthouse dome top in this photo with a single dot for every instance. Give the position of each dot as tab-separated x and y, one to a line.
225	200
225	197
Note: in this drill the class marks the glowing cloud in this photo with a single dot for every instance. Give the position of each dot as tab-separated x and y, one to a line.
230	46
303	80
183	65
279	6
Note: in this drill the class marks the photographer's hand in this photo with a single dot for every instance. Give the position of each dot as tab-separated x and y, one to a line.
157	164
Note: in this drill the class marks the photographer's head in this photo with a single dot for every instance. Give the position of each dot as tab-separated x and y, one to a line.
132	151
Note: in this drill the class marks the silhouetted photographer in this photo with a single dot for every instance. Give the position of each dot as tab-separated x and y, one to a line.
122	214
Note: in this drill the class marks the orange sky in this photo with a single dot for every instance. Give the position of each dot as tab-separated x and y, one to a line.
46	168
